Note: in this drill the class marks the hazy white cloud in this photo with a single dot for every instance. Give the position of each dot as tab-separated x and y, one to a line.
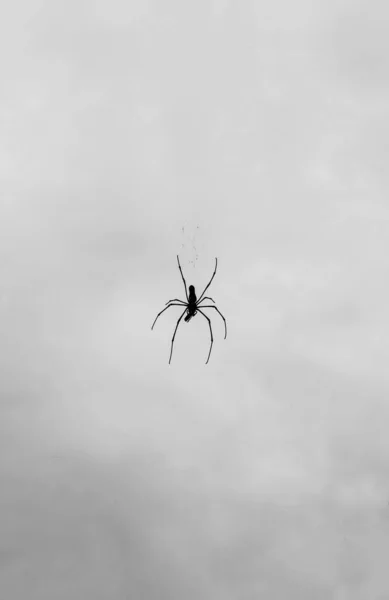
256	133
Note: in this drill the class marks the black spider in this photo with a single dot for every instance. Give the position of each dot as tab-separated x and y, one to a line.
192	306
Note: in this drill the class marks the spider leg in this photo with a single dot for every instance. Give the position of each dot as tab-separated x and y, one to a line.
205	298
214	273
225	322
174	334
179	266
160	313
176	300
210	329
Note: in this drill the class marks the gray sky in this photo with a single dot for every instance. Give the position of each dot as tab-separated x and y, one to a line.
257	132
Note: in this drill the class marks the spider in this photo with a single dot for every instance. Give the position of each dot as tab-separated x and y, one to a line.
192	307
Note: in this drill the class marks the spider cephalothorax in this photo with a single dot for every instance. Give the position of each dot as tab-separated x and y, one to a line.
192	307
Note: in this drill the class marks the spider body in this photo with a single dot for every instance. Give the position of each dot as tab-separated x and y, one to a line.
192	306
192	295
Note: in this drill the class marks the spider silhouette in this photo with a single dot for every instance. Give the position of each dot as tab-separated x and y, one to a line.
192	307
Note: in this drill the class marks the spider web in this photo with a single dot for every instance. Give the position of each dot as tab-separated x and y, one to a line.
189	244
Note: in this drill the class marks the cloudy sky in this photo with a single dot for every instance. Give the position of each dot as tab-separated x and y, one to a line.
254	131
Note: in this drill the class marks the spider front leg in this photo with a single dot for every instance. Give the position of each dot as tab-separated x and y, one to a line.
174	334
210	330
225	322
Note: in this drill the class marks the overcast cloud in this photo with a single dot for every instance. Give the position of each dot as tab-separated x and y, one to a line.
254	131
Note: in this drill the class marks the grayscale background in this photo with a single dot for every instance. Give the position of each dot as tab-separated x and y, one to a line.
254	131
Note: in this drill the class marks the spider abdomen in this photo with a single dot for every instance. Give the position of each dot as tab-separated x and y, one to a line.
192	295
